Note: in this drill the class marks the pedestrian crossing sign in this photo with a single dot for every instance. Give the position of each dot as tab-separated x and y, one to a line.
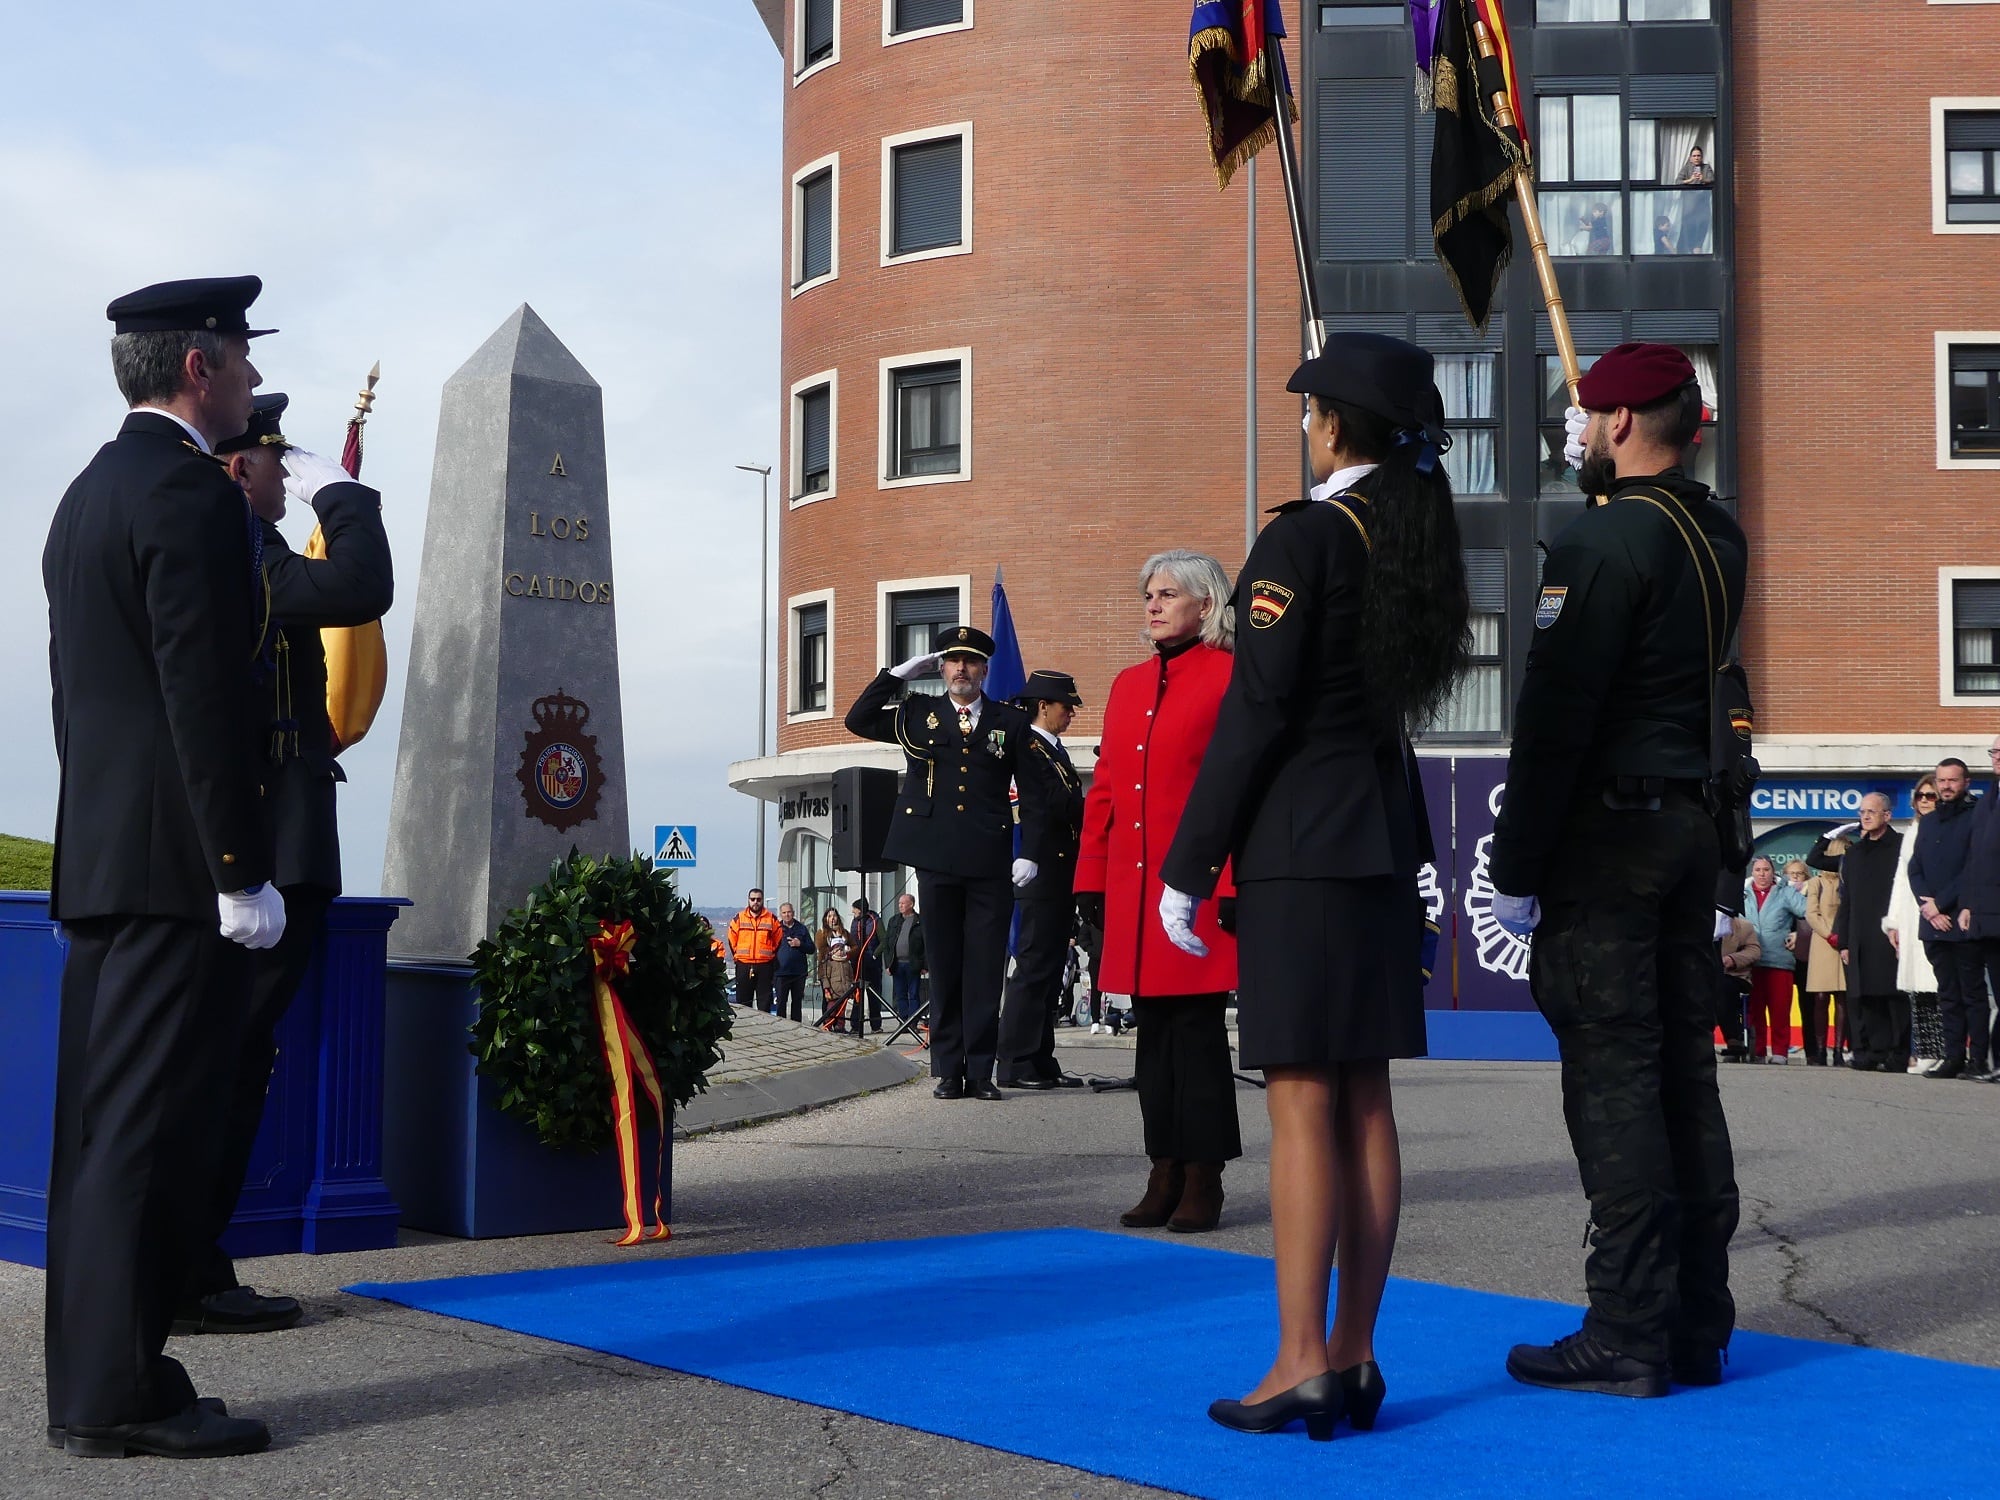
673	847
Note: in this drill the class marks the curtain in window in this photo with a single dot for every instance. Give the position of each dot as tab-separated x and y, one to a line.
1476	704
1557	11
1466	383
1668	10
1591	222
1702	357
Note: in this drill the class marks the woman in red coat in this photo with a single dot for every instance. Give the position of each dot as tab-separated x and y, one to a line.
1157	723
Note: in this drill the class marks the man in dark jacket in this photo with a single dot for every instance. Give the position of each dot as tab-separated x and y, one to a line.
1937	866
1877	1015
1045	905
903	956
163	867
1979	888
795	947
351	585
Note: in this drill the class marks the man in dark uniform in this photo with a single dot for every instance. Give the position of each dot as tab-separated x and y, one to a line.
351	585
155	617
954	825
1045	904
1606	839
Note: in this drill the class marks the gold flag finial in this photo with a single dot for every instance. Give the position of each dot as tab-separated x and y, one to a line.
365	401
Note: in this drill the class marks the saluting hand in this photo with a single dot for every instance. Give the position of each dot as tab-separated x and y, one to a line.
306	474
915	667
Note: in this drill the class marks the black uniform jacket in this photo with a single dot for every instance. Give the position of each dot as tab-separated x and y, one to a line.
1054	853
952	814
153	621
353	584
1300	781
1620	667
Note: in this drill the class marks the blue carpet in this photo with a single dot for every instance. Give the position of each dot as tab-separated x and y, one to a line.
1102	1351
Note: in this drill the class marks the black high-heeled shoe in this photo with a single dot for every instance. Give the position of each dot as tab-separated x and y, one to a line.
1318	1400
1362	1389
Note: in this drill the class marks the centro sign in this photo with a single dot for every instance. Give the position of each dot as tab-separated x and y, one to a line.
1798	798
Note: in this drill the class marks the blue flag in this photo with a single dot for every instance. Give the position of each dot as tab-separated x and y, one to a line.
1005	676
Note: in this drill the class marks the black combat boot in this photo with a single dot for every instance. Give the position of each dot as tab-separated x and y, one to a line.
1580	1363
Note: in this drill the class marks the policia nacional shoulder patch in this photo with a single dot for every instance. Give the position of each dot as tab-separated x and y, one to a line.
1268	603
1550	606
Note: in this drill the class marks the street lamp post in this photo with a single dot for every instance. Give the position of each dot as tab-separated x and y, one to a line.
763	623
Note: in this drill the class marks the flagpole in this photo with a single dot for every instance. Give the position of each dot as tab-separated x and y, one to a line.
1531	219
1250	378
1295	202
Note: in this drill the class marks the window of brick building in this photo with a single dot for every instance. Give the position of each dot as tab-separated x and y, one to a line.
904	18
914	616
1477	706
1466	383
817	33
815	224
810	657
1972	166
1580	12
1628	173
1970	617
927	194
815	409
926	408
1974	403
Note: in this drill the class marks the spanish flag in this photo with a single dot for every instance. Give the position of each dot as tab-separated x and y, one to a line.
1234	59
1477	152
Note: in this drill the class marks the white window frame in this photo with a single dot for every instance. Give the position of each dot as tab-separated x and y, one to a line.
963	130
799	44
886	407
1948	697
1939	109
795	447
883	589
890	39
793	606
813	169
1944	346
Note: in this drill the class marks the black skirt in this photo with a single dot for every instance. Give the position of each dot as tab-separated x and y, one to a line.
1328	971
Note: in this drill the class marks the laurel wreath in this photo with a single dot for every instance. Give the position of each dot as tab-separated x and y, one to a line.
537	1034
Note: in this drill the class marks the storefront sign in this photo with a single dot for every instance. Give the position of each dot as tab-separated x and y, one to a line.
1783	798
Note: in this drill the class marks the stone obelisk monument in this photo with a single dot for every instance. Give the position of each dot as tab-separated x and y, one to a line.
513	743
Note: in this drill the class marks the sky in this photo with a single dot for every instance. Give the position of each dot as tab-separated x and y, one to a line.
403	177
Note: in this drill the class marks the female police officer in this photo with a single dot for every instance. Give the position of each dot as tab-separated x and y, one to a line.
1351	630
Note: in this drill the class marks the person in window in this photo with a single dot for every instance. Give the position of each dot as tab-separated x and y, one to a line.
1157	722
1596	228
1697	205
1353	627
1663	236
1697	172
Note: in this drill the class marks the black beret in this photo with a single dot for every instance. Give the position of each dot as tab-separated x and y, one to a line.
1379	374
962	640
263	431
208	304
1048	687
1633	375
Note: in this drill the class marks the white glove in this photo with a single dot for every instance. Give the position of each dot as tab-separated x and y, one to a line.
1518	914
1025	870
915	667
1177	916
1724	924
255	918
306	474
1843	831
1575	420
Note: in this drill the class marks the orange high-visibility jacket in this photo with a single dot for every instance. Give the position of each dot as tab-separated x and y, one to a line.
753	936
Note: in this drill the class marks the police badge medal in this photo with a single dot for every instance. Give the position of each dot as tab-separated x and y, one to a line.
561	775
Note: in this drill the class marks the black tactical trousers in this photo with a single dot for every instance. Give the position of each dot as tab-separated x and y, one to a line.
1625	970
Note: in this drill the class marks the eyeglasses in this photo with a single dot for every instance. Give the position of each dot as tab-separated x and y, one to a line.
1926	796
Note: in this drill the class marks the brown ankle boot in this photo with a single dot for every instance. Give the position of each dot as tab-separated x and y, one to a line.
1201	1199
1163	1192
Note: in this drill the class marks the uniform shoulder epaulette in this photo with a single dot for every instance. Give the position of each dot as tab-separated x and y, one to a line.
1288	507
216	459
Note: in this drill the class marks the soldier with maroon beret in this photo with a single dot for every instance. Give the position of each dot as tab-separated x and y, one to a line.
1607	850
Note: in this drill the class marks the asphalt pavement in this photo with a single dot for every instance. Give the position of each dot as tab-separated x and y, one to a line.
1871	1215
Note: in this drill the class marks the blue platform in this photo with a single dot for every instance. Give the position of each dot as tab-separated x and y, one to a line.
1490	1036
1102	1351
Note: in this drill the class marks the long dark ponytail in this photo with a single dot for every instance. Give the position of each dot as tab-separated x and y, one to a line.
1416	640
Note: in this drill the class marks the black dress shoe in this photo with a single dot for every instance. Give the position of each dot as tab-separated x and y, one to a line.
1951	1067
1066	1081
949	1088
1580	1363
1029	1083
195	1432
238	1310
1362	1389
1318	1402
1697	1366
57	1433
986	1088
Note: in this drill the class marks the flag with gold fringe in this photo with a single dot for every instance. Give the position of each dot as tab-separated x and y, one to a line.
1477	153
1233	63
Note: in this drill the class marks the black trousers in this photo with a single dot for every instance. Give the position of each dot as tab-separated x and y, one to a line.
1624	968
1034	993
753	984
275	976
965	948
868	997
1880	1028
1961	977
1187	1087
150	1035
791	996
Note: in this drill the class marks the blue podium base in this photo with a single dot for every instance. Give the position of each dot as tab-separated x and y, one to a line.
455	1163
1490	1036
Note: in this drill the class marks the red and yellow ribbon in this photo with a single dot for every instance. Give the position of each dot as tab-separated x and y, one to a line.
626	1055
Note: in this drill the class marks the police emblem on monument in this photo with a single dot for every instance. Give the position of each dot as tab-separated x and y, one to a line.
560	774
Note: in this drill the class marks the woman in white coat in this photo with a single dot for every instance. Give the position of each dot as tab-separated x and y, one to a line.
1904	925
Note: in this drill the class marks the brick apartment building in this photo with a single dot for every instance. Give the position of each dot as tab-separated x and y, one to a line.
1015	336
